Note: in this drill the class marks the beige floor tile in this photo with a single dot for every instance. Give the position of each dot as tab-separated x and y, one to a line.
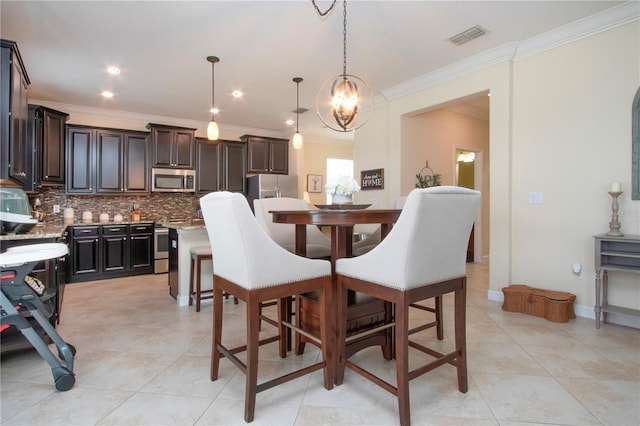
143	360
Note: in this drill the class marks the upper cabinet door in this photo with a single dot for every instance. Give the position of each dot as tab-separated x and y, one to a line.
162	141
109	160
257	155
207	165
50	147
135	163
184	148
79	159
279	156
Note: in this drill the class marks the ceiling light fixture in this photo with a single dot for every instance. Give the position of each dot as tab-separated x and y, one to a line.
107	94
342	99
297	137
113	70
466	157
213	132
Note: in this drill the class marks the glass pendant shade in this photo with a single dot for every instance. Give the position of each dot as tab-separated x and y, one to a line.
297	141
213	132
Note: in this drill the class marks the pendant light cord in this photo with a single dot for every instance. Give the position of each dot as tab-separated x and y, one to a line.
213	80
297	105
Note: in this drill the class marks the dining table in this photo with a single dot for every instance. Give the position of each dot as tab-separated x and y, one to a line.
361	315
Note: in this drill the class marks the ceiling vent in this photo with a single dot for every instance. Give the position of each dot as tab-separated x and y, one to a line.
467	35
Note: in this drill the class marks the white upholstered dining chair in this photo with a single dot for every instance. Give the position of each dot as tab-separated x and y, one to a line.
250	265
423	256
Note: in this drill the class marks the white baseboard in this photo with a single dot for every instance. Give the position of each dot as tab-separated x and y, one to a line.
583	311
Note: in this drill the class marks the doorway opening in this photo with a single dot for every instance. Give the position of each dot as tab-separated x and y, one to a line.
467	174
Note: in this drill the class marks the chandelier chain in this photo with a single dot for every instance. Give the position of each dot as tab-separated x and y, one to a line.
344	35
326	11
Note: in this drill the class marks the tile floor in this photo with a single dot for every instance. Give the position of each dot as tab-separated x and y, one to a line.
141	360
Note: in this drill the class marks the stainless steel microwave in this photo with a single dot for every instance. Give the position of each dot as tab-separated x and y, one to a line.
173	180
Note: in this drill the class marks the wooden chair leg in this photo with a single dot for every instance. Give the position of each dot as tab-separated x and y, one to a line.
282	330
402	363
217	332
341	323
440	326
327	335
253	324
460	337
191	283
198	282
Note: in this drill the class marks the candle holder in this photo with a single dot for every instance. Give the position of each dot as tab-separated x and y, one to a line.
614	225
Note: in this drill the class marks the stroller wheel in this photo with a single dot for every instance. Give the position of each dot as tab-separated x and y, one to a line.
71	347
63	378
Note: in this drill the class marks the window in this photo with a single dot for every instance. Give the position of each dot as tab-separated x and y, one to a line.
335	168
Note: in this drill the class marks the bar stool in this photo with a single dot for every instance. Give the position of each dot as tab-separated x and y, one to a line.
198	254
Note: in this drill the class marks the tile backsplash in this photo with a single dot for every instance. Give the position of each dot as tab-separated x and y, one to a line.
154	206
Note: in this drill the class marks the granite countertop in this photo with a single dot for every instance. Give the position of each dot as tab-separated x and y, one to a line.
193	224
56	230
47	230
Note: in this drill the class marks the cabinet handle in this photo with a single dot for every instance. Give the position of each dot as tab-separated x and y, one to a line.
84	231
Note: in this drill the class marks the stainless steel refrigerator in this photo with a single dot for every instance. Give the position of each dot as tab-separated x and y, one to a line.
271	186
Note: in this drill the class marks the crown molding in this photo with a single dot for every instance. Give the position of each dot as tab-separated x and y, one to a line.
81	114
591	25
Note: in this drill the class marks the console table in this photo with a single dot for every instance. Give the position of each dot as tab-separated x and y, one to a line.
614	254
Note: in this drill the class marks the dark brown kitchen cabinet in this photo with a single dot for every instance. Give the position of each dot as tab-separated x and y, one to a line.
84	246
106	161
47	136
234	167
267	155
79	160
207	165
172	146
114	248
141	248
15	153
174	273
121	162
109	251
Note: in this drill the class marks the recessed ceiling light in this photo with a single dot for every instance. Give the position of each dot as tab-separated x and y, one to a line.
113	70
237	94
290	122
214	110
107	94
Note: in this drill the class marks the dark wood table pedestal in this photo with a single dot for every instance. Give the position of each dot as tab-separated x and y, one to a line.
361	315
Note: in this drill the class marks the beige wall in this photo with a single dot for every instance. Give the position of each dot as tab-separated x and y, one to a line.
560	124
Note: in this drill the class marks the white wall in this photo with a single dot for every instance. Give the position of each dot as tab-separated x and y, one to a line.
560	124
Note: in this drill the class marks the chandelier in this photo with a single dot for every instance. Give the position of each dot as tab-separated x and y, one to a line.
344	102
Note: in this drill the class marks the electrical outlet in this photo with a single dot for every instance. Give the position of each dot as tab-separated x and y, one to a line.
576	268
56	208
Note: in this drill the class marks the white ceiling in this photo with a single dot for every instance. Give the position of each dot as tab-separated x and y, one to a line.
162	46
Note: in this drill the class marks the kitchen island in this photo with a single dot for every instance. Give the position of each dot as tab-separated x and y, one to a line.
182	237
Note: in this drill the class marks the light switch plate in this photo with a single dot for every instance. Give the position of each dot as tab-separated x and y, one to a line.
535	197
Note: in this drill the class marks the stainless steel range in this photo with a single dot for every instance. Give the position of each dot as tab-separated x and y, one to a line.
161	250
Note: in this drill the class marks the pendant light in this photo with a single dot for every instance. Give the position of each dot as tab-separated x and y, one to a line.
344	102
213	132
297	137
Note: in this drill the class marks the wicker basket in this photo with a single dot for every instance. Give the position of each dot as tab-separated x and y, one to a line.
556	306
